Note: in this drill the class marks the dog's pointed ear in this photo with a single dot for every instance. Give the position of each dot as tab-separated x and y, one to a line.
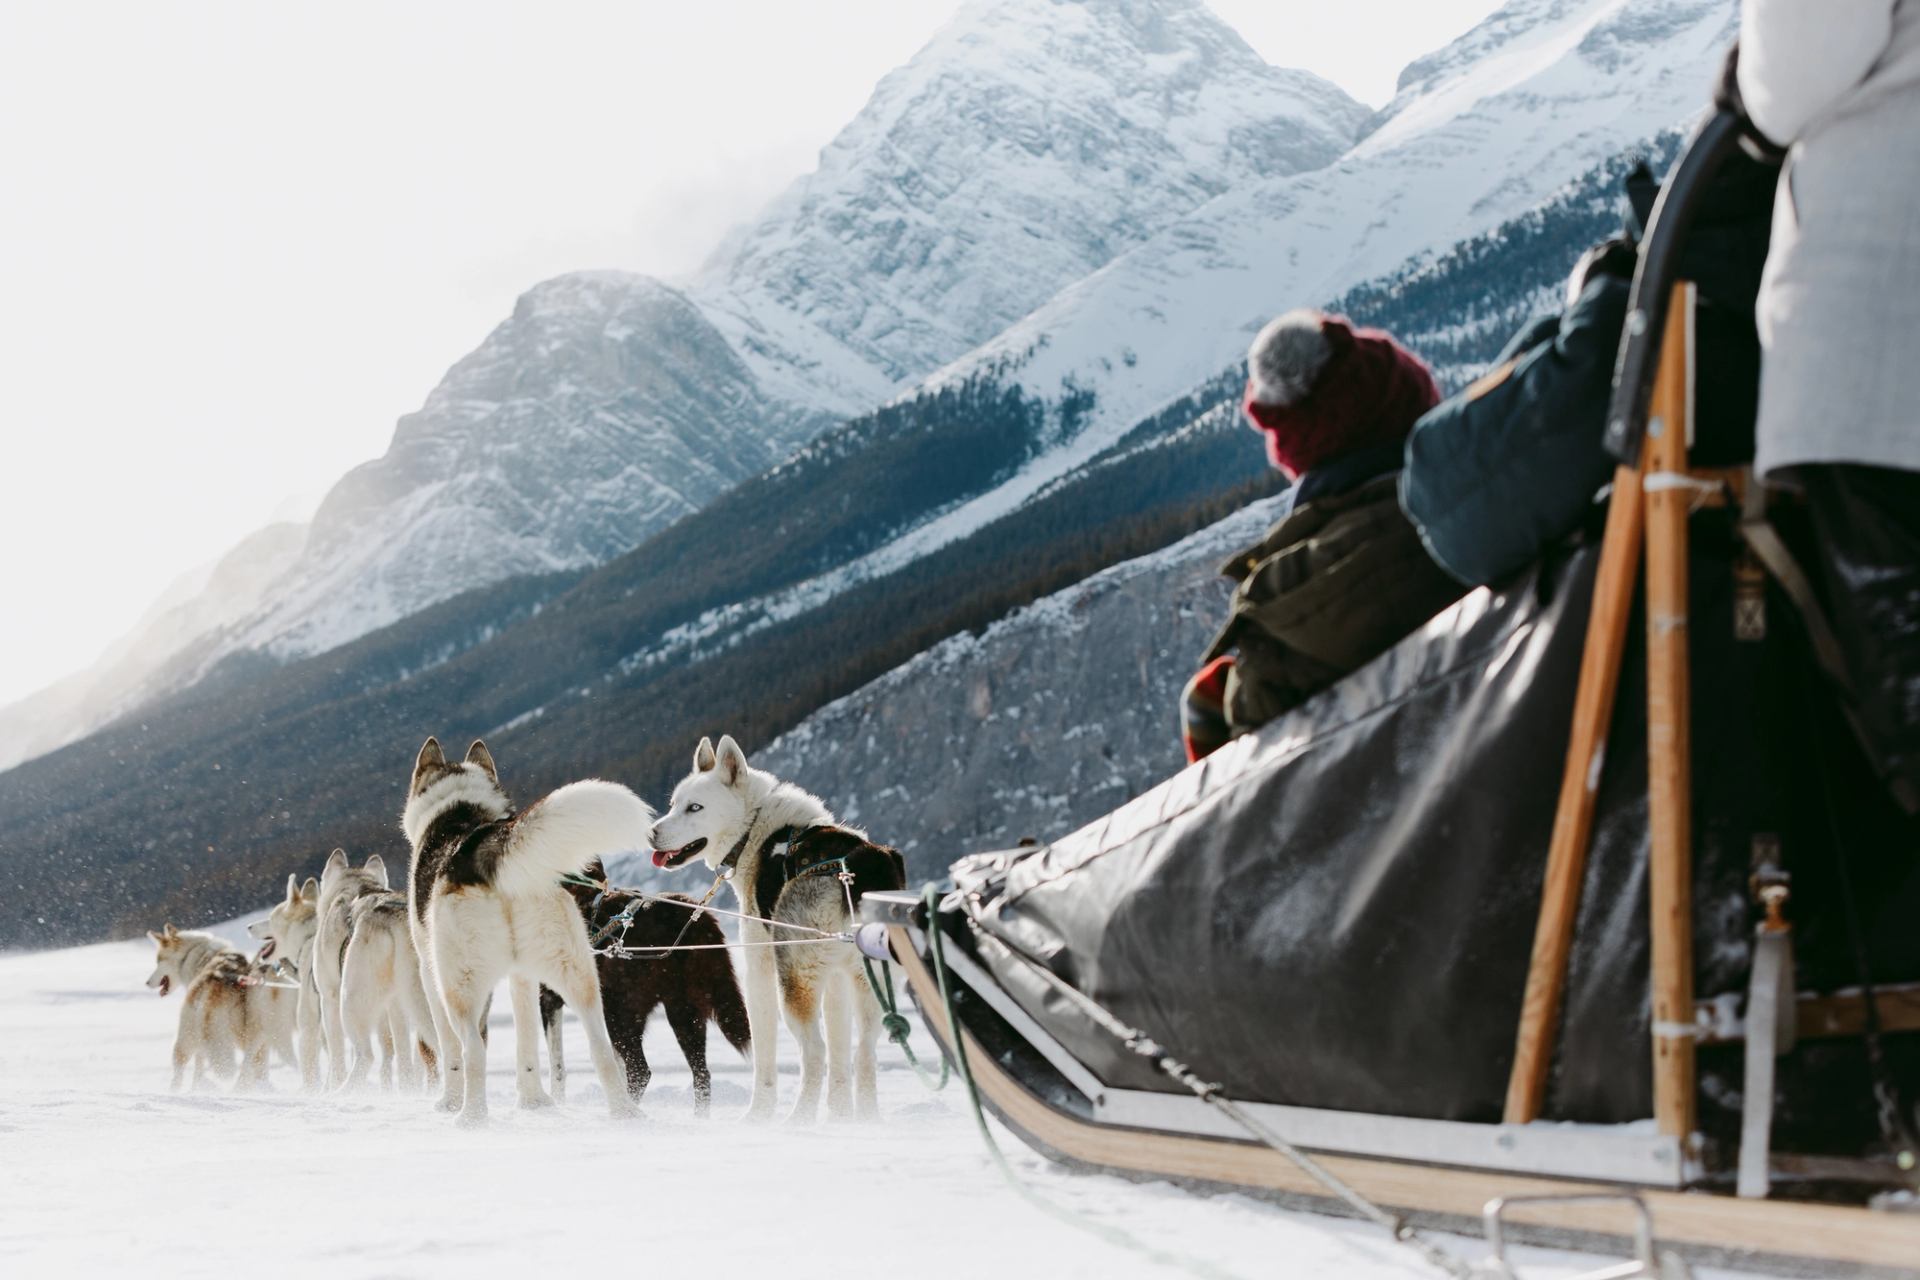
310	890
430	757
376	866
730	760
336	862
156	937
293	887
703	757
478	754
168	931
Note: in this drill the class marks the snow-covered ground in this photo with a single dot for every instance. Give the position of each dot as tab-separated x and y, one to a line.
103	1172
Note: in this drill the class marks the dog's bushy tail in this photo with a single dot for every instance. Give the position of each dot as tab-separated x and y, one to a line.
561	834
729	1008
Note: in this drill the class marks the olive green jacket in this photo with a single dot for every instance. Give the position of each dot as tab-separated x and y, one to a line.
1332	586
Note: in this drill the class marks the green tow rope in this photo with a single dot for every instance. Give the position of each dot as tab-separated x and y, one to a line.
896	1025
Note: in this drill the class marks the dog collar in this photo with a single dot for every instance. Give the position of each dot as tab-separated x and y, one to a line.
779	836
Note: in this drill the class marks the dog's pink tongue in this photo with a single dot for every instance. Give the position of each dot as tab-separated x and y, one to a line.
660	857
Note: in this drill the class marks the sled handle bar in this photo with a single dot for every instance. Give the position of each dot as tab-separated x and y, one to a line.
1673	210
1646	1259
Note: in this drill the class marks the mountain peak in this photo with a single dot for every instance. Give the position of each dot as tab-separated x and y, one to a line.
1027	144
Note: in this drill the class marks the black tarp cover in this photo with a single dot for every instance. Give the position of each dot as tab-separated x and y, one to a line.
1338	910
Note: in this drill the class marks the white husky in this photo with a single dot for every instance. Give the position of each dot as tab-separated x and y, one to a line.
486	904
286	937
232	1005
792	865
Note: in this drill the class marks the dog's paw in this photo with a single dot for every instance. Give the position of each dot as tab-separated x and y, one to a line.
471	1118
537	1100
448	1102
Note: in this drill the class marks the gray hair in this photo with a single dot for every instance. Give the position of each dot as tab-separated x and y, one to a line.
1287	357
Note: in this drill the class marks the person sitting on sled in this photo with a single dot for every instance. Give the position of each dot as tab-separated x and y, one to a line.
1835	88
1343	576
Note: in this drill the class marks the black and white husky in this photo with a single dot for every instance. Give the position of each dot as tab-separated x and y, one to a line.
487	904
787	855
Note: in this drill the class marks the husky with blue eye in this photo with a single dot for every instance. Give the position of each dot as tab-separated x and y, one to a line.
486	902
788	858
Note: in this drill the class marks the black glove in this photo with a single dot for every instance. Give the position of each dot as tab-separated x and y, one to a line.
1726	96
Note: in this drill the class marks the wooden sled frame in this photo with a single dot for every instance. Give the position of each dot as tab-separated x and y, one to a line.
1447	1175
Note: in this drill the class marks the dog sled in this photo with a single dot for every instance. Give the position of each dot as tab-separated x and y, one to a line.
1633	970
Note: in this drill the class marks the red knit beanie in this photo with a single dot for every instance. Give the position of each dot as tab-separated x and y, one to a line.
1369	392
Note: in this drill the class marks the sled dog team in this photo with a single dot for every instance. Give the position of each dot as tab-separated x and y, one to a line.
347	963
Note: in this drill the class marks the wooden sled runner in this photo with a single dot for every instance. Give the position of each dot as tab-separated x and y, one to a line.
1423	1169
1575	1186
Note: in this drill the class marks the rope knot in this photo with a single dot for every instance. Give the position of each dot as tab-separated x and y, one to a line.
897	1027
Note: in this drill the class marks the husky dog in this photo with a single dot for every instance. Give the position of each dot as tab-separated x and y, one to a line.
487	904
286	937
232	1005
381	991
695	986
787	859
341	884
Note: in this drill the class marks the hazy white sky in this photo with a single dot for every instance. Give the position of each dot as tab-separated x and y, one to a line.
237	240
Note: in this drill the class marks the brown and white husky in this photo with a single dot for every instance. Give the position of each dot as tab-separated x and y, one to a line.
232	1005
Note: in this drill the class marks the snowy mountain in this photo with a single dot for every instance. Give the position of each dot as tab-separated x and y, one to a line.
1500	121
601	411
1024	146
